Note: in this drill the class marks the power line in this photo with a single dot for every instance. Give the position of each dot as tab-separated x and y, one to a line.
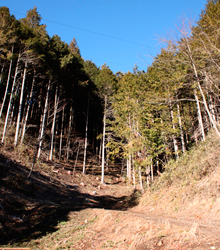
94	32
106	61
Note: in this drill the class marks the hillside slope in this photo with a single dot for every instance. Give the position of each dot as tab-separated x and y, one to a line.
54	210
190	186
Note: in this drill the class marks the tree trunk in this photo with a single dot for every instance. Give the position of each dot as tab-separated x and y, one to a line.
203	97
20	106
69	133
13	103
100	151
199	115
24	115
87	119
39	113
43	121
152	170
53	126
148	176
134	177
129	167
2	73
212	97
103	143
130	156
207	110
193	124
174	128
28	108
212	108
10	100
140	179
184	122
181	128
76	160
8	80
61	135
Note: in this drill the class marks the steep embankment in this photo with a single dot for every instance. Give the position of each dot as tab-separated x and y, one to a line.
191	186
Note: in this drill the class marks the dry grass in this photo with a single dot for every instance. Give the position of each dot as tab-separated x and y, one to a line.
191	186
103	229
176	213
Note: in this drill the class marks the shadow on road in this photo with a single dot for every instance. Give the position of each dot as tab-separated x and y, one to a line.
31	208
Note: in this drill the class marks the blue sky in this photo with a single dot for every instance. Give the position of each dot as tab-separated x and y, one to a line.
120	33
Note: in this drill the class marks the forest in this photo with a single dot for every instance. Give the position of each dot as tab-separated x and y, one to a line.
139	119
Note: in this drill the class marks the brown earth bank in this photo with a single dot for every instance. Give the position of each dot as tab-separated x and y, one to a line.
54	210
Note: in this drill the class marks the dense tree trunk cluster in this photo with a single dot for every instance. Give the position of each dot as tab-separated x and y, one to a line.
142	119
45	85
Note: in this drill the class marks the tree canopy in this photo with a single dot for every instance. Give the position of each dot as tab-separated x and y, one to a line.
142	119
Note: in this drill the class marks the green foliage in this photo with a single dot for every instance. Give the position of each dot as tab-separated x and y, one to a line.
105	82
74	48
149	116
91	70
9	30
209	18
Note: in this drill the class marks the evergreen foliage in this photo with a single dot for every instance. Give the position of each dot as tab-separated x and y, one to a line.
142	118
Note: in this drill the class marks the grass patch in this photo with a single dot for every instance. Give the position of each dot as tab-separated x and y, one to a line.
185	183
192	166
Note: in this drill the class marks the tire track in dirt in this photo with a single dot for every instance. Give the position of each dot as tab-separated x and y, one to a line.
132	229
211	227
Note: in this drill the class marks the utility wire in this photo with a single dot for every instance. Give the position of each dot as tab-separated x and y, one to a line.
94	32
107	61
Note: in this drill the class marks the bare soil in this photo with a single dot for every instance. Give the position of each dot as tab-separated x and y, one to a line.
55	210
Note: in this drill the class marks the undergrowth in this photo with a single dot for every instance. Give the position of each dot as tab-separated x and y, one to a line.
192	166
190	185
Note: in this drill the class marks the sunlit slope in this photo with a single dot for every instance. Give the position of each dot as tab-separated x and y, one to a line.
190	186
